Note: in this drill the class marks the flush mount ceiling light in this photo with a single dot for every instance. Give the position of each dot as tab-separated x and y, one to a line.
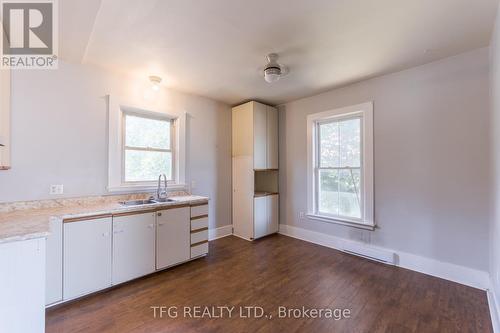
273	71
155	81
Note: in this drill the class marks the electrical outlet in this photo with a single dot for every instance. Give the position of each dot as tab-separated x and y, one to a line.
56	189
193	184
302	216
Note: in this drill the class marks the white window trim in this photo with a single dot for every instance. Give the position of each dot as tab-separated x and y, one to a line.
116	181
364	110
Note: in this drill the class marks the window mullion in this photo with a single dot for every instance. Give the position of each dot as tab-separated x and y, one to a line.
160	150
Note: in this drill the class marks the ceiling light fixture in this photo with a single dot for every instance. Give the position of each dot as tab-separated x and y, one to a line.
155	81
273	71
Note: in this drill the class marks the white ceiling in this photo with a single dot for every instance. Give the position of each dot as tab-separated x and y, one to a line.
214	48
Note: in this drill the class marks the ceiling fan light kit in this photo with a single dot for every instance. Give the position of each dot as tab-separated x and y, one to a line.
155	81
273	71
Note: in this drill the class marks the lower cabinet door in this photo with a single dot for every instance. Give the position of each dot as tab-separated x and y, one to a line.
260	217
173	240
133	246
272	213
53	263
22	286
87	257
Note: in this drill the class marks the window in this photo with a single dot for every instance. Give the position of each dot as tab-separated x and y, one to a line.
341	165
338	168
142	144
147	148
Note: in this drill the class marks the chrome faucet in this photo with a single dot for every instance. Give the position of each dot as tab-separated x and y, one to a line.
161	193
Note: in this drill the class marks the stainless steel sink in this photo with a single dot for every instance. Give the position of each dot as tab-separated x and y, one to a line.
145	202
137	202
163	200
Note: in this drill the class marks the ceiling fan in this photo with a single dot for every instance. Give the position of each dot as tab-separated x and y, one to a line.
273	71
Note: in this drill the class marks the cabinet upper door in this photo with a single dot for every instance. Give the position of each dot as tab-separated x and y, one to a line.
133	246
242	130
173	241
87	257
272	138
259	136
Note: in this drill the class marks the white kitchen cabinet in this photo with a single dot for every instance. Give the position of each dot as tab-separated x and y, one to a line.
255	168
173	240
260	136
5	112
265	137
272	138
87	256
199	250
260	217
255	134
54	263
199	223
199	230
199	210
22	286
272	213
266	215
133	246
243	193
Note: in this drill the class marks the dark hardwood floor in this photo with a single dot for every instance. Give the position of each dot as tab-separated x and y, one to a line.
280	271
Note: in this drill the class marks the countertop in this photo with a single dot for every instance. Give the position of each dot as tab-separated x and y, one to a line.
32	223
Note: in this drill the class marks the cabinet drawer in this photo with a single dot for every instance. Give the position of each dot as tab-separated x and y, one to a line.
199	223
199	236
199	210
199	250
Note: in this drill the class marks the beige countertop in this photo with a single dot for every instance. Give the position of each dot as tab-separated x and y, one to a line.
29	223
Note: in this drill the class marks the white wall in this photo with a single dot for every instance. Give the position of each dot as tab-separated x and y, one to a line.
431	159
495	152
59	134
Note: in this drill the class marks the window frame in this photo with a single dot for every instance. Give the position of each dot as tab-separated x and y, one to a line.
366	193
124	147
318	167
115	142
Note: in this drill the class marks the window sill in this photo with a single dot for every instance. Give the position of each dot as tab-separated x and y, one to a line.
146	188
341	221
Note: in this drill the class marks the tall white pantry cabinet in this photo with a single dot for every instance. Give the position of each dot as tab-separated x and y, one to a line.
255	170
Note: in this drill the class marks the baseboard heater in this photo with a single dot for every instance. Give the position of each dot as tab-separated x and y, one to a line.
368	252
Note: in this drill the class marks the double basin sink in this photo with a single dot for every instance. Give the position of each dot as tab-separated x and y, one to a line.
149	201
